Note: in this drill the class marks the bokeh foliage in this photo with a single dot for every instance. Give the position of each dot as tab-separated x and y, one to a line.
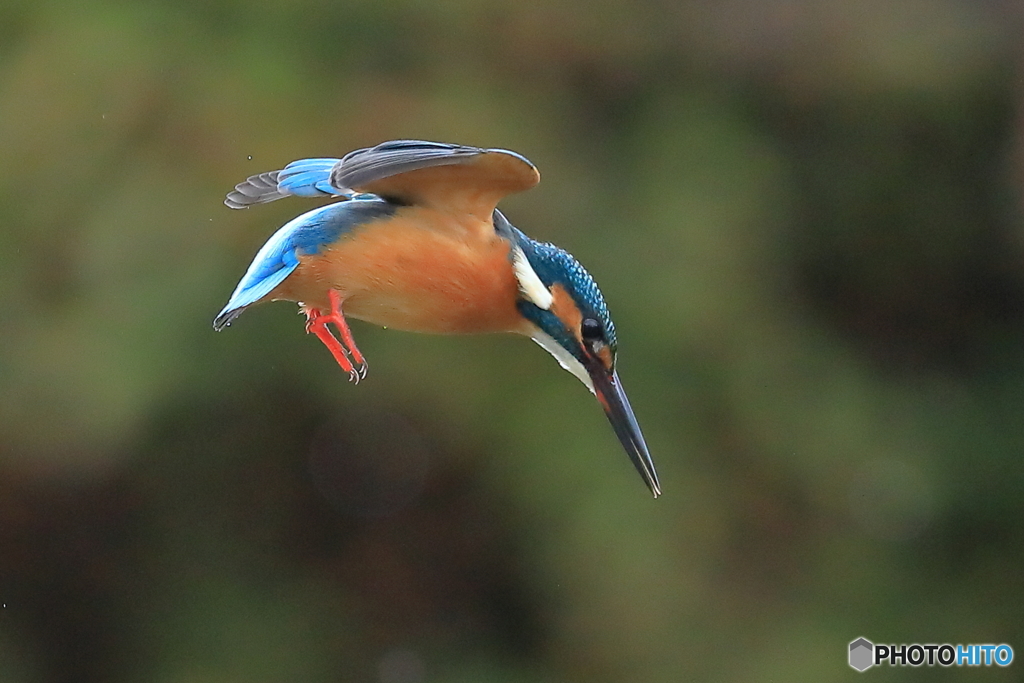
805	217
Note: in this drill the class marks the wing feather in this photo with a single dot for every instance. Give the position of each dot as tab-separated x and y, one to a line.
411	172
440	175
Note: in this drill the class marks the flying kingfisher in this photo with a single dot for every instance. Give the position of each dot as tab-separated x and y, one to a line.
416	243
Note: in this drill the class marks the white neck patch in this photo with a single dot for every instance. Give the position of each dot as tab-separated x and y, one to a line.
529	282
564	358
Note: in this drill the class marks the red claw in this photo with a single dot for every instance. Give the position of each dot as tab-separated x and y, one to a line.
345	351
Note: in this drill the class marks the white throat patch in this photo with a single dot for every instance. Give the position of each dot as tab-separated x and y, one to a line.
564	358
529	282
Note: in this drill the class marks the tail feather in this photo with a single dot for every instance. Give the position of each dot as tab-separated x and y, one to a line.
269	269
224	318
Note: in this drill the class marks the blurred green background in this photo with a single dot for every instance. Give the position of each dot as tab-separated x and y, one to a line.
805	217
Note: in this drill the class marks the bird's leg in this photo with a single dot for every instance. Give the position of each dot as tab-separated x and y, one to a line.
316	322
347	340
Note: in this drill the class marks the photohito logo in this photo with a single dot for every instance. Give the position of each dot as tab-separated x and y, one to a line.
864	654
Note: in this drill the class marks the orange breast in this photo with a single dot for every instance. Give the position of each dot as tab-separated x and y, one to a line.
420	270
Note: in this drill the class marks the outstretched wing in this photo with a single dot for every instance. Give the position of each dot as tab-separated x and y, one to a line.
304	178
411	172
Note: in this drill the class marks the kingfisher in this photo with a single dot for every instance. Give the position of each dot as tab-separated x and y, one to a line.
416	242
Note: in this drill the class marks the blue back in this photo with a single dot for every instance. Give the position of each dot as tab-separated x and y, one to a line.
301	236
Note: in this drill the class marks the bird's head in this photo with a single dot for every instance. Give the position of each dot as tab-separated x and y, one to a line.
570	319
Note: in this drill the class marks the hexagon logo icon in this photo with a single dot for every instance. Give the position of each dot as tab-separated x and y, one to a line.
862	653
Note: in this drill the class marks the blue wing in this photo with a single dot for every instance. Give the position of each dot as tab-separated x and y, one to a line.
304	178
309	178
307	234
365	167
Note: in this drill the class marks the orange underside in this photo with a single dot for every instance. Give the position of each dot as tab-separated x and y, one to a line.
420	270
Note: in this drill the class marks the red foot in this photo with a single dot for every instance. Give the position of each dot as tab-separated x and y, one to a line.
316	322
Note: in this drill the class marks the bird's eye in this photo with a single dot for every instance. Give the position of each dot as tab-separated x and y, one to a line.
592	330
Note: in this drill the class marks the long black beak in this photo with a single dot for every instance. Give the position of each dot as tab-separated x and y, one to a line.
616	406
